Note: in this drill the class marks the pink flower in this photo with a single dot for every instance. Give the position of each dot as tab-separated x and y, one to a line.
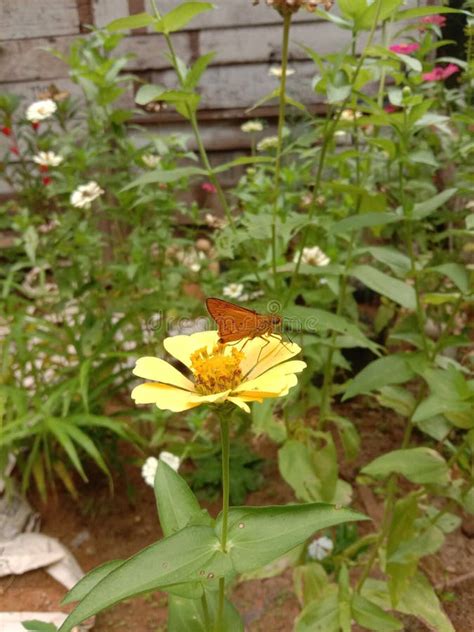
389	108
437	20
208	187
439	73
404	49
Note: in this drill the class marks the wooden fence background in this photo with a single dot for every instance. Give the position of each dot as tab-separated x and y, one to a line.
246	39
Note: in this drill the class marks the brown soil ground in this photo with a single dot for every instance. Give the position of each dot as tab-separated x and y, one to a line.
102	528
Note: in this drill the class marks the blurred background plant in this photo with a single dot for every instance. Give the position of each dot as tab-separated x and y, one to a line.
357	226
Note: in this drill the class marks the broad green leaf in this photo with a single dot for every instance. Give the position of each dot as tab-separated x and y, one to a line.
427	542
436	405
321	615
348	434
395	290
137	21
439	298
420	12
456	272
420	600
418	465
192	554
258	535
187	615
38	626
402	528
311	581
87	583
365	220
244	160
392	369
412	62
197	69
424	209
178	18
371	616
159	175
312	319
151	92
176	503
394	259
398	399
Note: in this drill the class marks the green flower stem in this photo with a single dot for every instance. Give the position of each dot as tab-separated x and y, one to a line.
224	415
329	130
195	126
325	406
281	125
205	607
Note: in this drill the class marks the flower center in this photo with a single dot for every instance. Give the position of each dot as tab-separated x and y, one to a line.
216	372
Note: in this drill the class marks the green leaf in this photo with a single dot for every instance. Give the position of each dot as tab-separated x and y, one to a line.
395	290
195	72
435	405
244	160
456	272
420	600
264	421
420	12
348	434
418	465
365	220
39	626
87	583
398	399
179	17
320	616
392	369
370	616
394	259
137	21
187	615
312	319
311	582
192	554
424	209
176	503
159	175
258	535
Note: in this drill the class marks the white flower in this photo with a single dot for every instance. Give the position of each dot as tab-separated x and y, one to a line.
85	194
170	459
270	142
277	71
350	115
214	222
251	126
320	548
151	160
48	159
313	256
149	470
191	259
233	290
40	110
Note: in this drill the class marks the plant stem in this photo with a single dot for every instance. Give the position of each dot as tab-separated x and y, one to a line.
195	127
281	125
224	422
328	134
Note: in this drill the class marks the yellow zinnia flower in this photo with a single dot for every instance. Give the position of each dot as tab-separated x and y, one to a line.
249	372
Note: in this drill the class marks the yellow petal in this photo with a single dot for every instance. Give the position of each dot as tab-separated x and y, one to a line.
181	347
276	380
164	396
158	370
240	403
262	354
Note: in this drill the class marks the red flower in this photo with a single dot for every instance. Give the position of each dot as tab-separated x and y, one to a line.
43	168
46	180
389	108
404	49
35	125
6	131
14	149
437	20
439	73
208	187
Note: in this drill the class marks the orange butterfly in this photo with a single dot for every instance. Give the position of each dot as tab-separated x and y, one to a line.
235	322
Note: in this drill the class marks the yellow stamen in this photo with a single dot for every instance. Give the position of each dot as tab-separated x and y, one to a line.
217	371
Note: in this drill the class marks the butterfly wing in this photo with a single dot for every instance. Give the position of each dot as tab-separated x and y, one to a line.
233	322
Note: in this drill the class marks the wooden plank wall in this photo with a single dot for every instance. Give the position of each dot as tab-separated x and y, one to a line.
246	39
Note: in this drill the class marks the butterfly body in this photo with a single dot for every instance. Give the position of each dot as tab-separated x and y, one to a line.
235	322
